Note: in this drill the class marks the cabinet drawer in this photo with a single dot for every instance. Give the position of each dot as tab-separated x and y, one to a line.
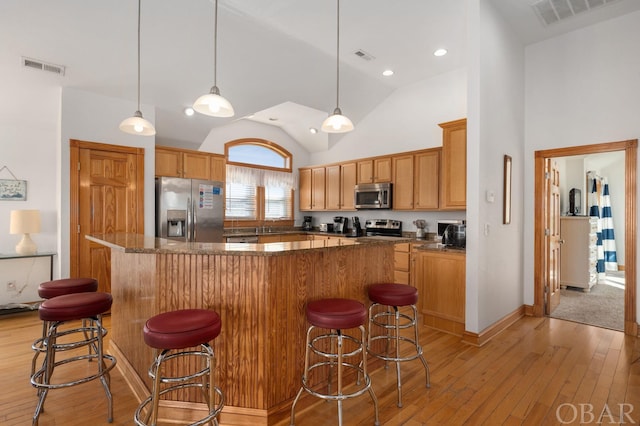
401	261
401	277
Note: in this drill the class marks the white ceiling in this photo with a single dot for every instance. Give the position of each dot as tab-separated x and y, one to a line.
276	58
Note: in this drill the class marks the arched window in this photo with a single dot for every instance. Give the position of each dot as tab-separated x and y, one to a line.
259	183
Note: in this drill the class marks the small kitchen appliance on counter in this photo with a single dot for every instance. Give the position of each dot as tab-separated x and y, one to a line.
325	227
421	232
455	236
356	229
307	223
340	224
383	227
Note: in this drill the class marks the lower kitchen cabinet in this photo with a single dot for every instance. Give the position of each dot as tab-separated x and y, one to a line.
402	263
440	279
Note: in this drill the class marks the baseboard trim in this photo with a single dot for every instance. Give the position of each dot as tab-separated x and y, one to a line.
480	339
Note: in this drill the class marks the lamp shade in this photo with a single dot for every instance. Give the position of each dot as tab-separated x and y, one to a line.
337	123
24	222
213	104
137	125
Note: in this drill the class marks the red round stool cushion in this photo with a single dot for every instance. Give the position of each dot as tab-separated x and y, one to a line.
75	306
336	313
56	288
182	328
393	294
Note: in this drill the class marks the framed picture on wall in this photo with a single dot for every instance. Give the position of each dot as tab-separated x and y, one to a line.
13	190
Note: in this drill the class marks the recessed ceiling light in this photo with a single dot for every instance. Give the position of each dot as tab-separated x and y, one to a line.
313	130
188	111
440	52
387	73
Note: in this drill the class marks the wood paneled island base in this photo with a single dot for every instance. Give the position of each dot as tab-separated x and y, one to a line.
260	292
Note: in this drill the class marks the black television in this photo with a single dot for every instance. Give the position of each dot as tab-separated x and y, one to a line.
575	202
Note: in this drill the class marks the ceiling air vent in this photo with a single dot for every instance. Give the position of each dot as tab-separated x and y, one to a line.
551	11
364	55
42	66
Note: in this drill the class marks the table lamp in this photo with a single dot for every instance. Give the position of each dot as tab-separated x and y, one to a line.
25	222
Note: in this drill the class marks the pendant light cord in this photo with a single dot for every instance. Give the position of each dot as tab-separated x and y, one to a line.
215	45
139	8
338	55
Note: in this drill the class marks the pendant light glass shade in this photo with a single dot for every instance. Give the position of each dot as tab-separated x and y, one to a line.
336	122
137	125
212	103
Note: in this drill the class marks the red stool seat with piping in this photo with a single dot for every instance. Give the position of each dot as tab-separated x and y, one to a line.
75	306
55	288
393	294
182	329
336	313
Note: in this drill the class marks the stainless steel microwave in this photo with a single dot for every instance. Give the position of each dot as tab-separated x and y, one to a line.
373	196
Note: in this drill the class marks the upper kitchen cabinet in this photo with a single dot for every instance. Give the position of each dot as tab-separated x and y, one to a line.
340	184
375	170
416	180
453	175
312	189
174	162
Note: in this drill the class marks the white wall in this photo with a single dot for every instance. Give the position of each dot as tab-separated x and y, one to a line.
581	88
495	128
94	118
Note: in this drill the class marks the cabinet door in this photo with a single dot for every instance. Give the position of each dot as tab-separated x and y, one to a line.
264	239
318	188
403	182
365	171
332	190
347	185
218	168
196	166
426	180
382	170
168	163
304	195
454	165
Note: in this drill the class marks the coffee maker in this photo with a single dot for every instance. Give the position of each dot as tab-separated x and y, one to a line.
307	223
340	224
356	230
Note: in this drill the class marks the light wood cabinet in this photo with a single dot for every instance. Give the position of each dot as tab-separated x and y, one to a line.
174	162
340	183
375	170
281	238
312	189
332	189
578	255
402	263
403	182
453	177
440	279
426	180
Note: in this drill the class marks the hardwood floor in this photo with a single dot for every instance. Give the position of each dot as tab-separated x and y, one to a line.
521	377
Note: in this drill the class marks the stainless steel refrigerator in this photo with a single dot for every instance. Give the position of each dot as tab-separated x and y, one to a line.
189	209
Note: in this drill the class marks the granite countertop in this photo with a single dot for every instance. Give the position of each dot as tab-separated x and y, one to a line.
136	243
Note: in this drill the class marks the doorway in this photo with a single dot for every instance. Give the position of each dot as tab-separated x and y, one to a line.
544	266
107	196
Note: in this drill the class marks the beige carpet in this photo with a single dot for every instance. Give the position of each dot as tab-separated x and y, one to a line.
602	307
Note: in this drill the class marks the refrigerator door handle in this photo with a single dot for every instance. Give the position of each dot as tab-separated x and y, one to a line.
195	219
189	218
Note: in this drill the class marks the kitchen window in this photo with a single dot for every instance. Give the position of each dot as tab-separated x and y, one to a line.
259	184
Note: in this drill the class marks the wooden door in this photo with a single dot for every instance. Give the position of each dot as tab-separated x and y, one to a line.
304	189
107	196
347	185
553	236
426	180
318	184
332	190
218	168
403	182
196	166
168	162
365	171
454	165
382	170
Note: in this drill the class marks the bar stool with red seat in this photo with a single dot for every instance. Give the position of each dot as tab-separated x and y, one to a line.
173	334
56	312
396	296
336	315
51	289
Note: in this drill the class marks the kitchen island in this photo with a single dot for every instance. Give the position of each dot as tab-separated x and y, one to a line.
260	292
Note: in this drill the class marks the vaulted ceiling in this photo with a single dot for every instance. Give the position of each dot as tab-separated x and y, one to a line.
276	58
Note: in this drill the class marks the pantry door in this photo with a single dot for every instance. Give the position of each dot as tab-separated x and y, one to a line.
553	233
107	196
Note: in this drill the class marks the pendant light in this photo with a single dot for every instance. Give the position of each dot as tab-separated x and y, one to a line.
137	125
212	103
337	123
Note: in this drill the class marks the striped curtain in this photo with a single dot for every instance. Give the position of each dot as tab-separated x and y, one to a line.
600	207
